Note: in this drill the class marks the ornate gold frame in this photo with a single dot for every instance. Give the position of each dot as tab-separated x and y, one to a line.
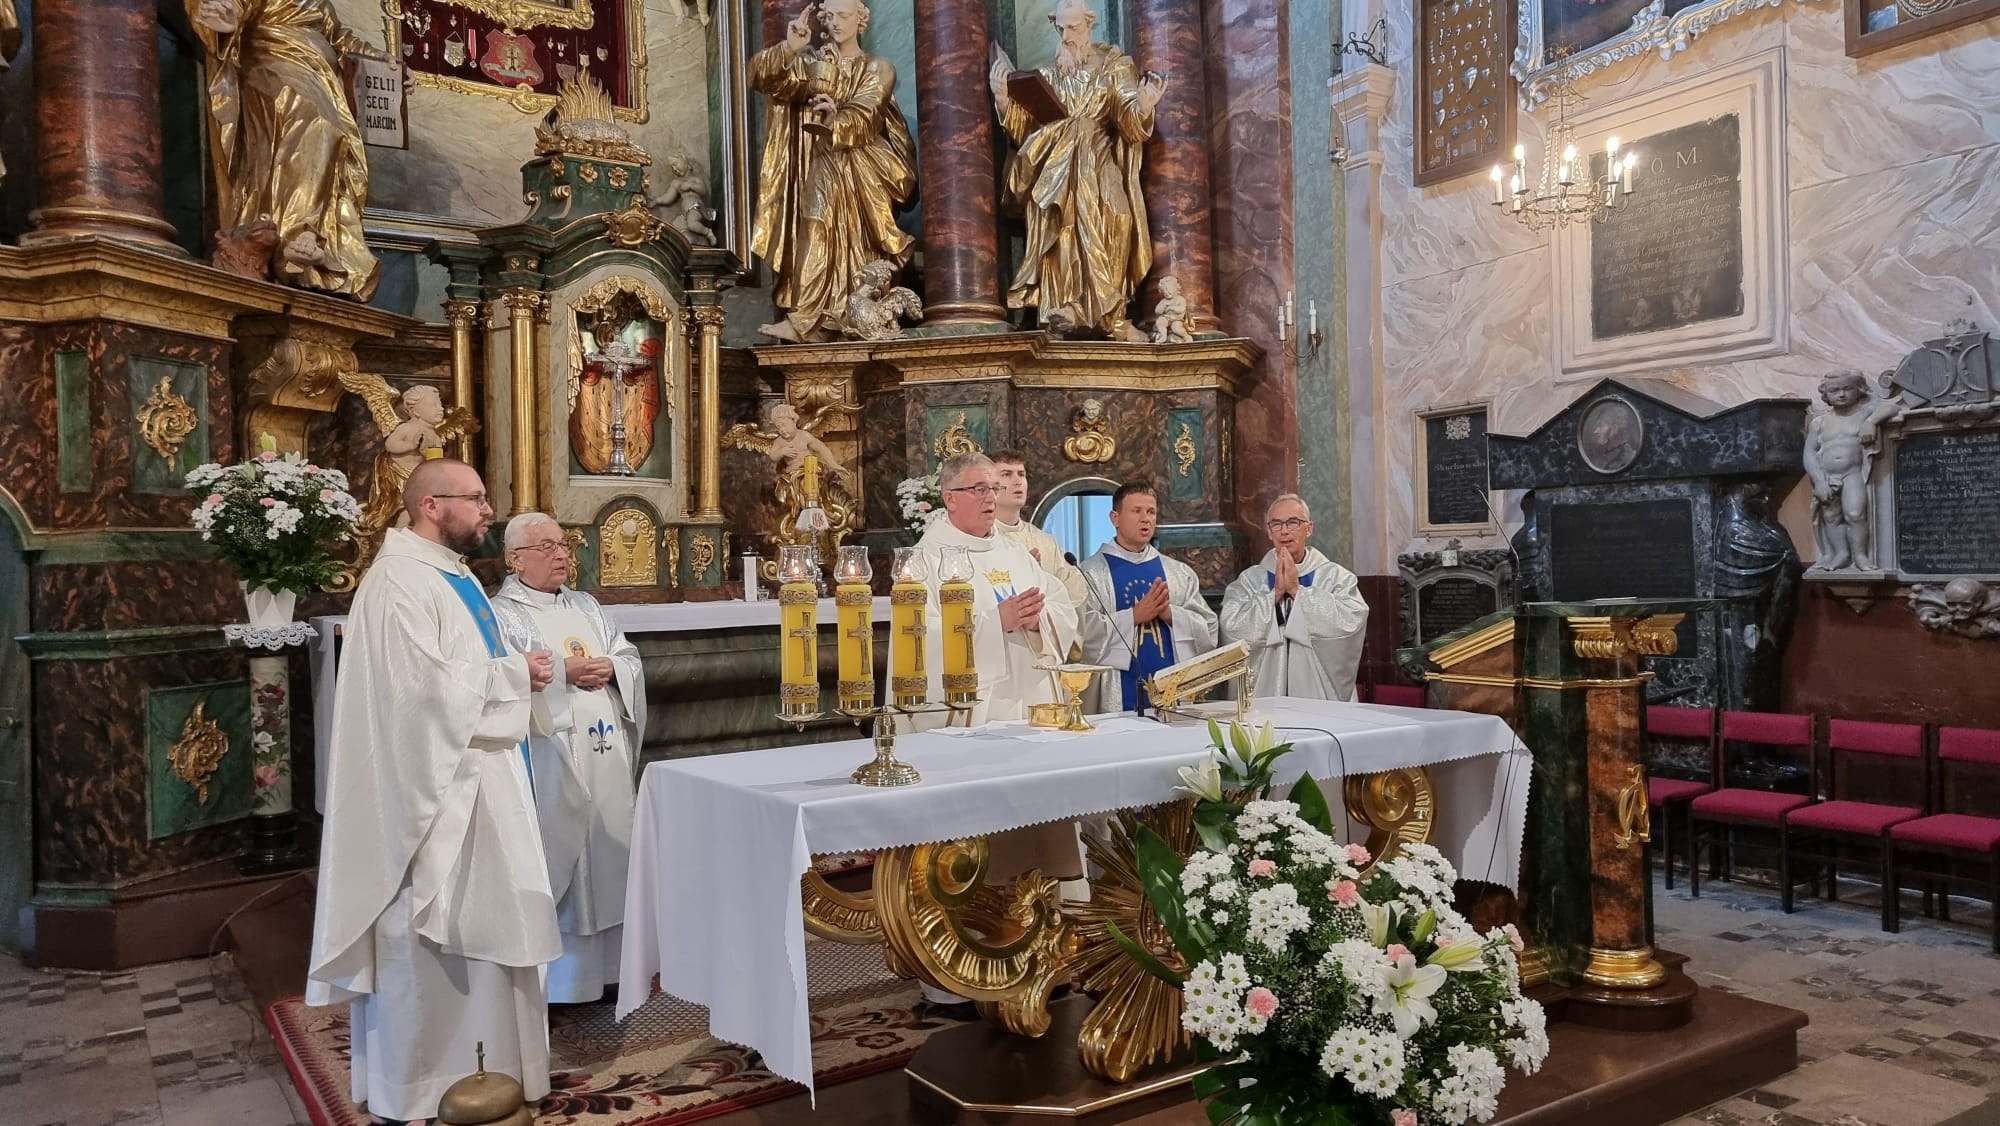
530	14
594	300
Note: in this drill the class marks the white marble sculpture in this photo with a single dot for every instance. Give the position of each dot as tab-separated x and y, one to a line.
1841	444
1964	606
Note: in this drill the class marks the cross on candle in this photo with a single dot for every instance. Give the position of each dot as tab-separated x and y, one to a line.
915	631
965	628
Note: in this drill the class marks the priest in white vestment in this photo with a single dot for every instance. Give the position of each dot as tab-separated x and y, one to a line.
1145	611
588	724
434	918
1301	613
1008	521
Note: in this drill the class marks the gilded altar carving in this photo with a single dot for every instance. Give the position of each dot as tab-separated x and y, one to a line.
1090	437
1184	449
283	138
633	225
701	553
626	551
1137	1020
413	423
198	753
521	16
1635	817
789	443
836	915
1398	806
1611	639
166	419
954	440
671	540
838	161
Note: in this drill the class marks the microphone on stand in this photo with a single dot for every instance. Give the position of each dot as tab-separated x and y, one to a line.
1090	589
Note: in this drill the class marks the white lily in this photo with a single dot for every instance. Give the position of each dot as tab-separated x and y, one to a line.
1203	780
1379	917
1409	989
1459	957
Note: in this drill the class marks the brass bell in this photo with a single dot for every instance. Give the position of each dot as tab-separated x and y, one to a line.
485	1099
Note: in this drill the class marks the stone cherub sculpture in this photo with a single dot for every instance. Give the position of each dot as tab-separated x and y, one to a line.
10	45
789	444
1841	444
414	425
1172	322
684	203
1963	606
875	308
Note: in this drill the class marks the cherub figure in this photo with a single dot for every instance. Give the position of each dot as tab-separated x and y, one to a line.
413	423
1171	322
1841	444
685	203
788	443
875	309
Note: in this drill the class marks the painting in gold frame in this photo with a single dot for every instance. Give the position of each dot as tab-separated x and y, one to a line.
478	47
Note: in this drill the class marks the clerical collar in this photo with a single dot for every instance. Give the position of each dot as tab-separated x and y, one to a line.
515	588
950	535
404	541
1113	547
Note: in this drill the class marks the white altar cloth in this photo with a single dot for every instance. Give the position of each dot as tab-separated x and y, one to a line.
712	898
632	617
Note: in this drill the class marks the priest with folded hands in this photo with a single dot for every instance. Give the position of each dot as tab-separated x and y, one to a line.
1301	613
1146	612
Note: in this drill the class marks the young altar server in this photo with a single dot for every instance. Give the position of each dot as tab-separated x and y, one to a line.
588	726
1012	469
434	917
1145	612
1301	613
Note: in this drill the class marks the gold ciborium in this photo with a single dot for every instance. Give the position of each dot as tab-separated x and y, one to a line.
1071	678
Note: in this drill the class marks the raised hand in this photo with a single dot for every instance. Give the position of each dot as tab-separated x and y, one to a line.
996	77
799	32
1152	87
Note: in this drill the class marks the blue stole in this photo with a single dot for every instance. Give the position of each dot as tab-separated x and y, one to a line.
469	592
1284	611
1153	645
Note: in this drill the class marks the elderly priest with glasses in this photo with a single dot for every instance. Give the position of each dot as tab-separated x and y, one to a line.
584	747
1301	613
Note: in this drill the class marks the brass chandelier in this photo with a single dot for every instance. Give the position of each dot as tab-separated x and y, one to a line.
1566	191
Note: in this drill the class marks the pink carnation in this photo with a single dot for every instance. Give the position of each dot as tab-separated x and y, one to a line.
326	494
266	776
1344	893
1261	1002
923	506
215	498
1263	866
1357	854
1401	1117
267	502
268	455
1514	938
1397	952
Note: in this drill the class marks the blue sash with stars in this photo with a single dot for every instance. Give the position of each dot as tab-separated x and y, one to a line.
1153	645
469	592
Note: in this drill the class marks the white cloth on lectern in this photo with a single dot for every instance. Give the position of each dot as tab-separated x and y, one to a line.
434	914
1316	651
584	746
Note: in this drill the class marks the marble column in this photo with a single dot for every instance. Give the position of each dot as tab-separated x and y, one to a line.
97	117
1167	37
955	165
1361	103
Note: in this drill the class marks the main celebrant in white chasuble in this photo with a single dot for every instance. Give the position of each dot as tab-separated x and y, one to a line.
1146	612
584	744
434	916
1301	613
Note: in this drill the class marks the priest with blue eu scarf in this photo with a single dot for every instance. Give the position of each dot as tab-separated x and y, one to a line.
434	919
1301	613
1145	612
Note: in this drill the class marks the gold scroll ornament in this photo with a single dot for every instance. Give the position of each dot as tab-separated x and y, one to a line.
954	440
198	753
166	420
1184	449
1635	818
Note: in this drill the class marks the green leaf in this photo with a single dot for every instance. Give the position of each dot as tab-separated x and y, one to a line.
1160	870
1311	801
1211	1082
1144	957
1213	834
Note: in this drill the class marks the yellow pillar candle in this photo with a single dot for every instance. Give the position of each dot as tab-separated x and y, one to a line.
854	602
961	670
909	683
798	622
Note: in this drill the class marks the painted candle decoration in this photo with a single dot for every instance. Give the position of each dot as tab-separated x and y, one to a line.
854	603
798	621
909	683
961	671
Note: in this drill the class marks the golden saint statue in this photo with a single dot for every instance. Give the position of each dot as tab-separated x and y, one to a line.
1076	179
414	426
808	474
283	138
838	161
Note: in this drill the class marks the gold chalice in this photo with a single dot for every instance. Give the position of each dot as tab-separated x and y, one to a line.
1071	678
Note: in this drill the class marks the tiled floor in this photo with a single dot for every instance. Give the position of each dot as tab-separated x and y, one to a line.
1905	1028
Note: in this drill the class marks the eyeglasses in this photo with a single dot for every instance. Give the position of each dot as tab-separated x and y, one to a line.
1290	523
980	491
479	499
557	547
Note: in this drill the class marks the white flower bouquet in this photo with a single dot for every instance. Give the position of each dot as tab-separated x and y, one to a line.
921	501
1339	992
274	519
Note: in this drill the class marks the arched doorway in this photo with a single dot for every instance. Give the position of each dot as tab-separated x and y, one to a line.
1078	514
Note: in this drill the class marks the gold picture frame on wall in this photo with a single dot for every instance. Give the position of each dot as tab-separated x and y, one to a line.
527	17
732	130
1453	493
1875	25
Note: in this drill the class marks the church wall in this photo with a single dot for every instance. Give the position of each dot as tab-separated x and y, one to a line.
1910	674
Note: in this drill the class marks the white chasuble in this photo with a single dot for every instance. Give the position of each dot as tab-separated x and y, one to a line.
434	916
584	748
1309	647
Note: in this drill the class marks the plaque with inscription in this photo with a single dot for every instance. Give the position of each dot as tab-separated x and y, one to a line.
1454	469
1452	603
1671	254
1633	549
1948	502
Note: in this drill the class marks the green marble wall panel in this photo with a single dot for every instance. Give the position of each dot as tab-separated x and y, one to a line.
152	473
1316	252
175	805
1184	480
716	691
73	461
938	419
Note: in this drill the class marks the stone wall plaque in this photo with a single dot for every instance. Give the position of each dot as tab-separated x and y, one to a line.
1634	549
1453	603
1672	255
1451	461
1947	502
1444	591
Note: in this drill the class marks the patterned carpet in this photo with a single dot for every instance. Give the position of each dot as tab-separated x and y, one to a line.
658	1067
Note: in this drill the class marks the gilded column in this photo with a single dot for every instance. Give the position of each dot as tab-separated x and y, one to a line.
708	322
1167	37
955	165
522	307
97	116
464	316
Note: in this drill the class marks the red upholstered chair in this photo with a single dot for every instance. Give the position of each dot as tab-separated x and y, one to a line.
1884	760
1682	726
1950	835
1400	695
1733	807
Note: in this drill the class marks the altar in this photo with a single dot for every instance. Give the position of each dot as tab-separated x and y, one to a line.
720	844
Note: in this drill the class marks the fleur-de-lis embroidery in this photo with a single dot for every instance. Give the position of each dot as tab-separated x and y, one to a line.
600	736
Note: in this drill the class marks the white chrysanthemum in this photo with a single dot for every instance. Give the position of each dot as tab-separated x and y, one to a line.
1276	915
1359	962
1472	1091
1528	1050
1371	1061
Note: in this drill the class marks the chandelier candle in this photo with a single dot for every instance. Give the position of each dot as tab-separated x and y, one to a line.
961	673
798	614
909	684
854	604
